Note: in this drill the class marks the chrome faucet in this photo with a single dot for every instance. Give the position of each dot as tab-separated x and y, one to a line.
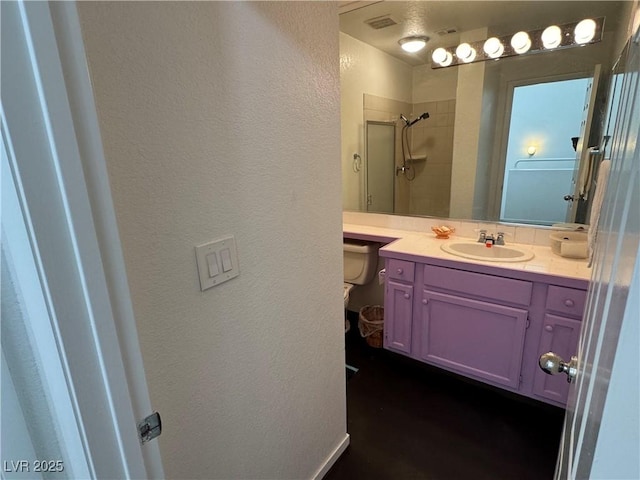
490	239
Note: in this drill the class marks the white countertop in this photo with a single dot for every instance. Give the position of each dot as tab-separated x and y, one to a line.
424	244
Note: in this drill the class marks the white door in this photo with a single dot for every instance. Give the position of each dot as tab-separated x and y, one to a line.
60	201
602	424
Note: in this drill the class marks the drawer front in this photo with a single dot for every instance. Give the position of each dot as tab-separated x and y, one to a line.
567	301
400	270
487	286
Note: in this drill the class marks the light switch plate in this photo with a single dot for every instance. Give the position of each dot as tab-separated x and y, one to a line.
217	246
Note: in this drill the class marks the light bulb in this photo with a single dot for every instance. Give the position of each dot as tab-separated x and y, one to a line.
465	52
413	44
521	42
493	47
551	37
531	150
585	31
442	57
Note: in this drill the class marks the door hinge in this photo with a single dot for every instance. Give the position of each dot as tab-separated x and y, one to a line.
149	427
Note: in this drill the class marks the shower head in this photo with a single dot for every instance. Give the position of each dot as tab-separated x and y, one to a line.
416	120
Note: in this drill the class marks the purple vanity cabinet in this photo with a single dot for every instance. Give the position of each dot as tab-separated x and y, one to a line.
398	310
487	323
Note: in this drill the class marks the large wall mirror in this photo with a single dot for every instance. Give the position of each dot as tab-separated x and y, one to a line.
516	139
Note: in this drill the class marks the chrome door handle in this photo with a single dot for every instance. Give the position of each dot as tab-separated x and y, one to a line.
553	364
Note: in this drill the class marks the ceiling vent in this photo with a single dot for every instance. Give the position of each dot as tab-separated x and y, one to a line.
447	31
381	22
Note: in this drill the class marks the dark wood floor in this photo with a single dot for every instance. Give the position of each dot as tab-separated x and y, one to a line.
411	421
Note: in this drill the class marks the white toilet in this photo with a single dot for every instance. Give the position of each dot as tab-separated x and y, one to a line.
360	263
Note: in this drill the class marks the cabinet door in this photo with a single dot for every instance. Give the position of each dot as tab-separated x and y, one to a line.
398	315
478	339
559	335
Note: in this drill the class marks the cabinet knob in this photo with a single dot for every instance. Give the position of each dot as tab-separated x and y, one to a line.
406	295
569	303
548	328
399	271
425	301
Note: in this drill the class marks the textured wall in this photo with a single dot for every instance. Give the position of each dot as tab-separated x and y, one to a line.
467	132
224	118
364	69
434	85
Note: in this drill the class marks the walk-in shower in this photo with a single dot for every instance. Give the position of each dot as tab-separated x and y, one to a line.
405	169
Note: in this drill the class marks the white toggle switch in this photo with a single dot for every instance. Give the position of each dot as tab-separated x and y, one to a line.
212	262
209	269
225	256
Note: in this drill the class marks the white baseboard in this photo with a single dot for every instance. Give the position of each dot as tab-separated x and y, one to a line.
331	459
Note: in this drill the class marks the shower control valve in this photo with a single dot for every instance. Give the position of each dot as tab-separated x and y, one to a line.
402	169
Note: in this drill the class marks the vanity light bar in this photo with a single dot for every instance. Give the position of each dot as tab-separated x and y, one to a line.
574	34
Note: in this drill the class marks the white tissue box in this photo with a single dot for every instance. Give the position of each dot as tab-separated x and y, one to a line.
569	244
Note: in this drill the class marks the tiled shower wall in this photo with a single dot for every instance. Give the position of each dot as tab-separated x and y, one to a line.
431	149
433	138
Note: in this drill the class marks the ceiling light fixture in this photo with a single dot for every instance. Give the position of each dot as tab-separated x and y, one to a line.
413	44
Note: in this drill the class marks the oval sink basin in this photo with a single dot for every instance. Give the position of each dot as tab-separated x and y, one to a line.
479	251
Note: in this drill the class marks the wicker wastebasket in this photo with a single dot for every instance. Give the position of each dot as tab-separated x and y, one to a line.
371	324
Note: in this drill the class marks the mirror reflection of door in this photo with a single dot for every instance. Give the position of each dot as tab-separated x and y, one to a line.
586	156
380	166
540	156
